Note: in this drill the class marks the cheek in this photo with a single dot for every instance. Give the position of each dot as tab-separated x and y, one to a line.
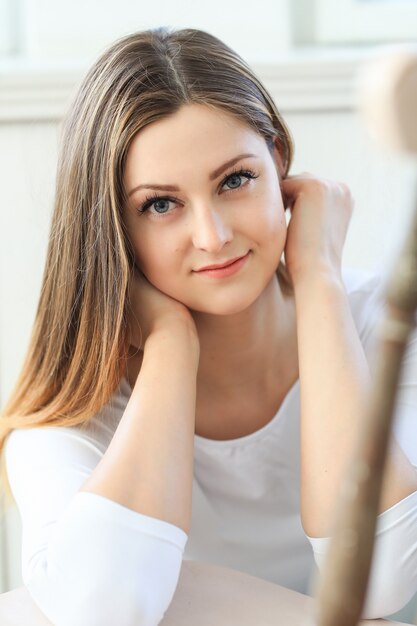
277	238
146	256
159	263
272	229
271	224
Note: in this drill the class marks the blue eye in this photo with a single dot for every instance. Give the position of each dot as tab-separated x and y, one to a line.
156	199
236	176
248	174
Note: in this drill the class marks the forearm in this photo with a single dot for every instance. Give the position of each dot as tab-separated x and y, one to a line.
148	466
334	385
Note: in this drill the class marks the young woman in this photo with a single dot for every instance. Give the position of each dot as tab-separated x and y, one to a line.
187	394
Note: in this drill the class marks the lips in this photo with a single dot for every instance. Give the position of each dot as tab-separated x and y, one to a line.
220	265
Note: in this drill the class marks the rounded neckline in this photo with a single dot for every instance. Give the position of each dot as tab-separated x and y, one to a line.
224	443
251	437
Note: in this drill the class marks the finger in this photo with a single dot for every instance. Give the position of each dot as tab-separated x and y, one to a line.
292	185
289	189
300	175
296	180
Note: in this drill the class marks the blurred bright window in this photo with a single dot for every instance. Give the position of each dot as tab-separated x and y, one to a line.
33	27
8	27
364	21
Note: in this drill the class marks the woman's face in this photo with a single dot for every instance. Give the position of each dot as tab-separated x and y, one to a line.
213	216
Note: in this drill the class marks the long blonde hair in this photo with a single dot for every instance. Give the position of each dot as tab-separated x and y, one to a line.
78	348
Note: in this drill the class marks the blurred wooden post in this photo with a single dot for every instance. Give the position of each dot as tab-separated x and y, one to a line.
387	90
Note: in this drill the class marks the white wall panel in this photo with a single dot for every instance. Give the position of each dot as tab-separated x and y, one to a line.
27	173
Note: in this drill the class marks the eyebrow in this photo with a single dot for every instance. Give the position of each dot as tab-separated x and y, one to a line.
212	176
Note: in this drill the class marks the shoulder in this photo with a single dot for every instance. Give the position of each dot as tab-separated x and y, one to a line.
366	292
57	443
363	281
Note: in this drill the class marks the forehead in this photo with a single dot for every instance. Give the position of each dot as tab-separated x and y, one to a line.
195	134
194	120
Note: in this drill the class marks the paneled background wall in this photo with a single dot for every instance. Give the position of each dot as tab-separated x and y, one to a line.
314	91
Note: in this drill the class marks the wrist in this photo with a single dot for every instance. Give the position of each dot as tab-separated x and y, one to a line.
318	288
174	331
317	275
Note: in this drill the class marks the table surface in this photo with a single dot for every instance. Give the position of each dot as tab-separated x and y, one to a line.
206	594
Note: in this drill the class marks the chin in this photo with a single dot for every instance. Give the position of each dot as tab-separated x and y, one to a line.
226	304
219	310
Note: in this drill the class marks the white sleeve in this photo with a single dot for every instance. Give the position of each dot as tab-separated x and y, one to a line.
393	576
86	560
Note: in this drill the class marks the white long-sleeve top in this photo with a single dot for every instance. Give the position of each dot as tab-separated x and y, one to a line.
87	560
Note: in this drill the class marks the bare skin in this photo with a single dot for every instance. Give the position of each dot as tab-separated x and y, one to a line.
228	411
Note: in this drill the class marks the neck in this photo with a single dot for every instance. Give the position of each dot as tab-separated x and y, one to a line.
252	351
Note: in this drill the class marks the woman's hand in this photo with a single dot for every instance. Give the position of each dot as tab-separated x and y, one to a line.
151	309
321	210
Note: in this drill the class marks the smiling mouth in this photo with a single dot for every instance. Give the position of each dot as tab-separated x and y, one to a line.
226	270
221	266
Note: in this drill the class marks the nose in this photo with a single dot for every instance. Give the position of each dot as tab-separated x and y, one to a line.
210	231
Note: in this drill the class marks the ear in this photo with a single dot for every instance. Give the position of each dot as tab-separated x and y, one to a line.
278	158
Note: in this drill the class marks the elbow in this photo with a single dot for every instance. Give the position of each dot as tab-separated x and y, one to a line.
387	593
101	600
101	605
120	604
106	565
392	581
